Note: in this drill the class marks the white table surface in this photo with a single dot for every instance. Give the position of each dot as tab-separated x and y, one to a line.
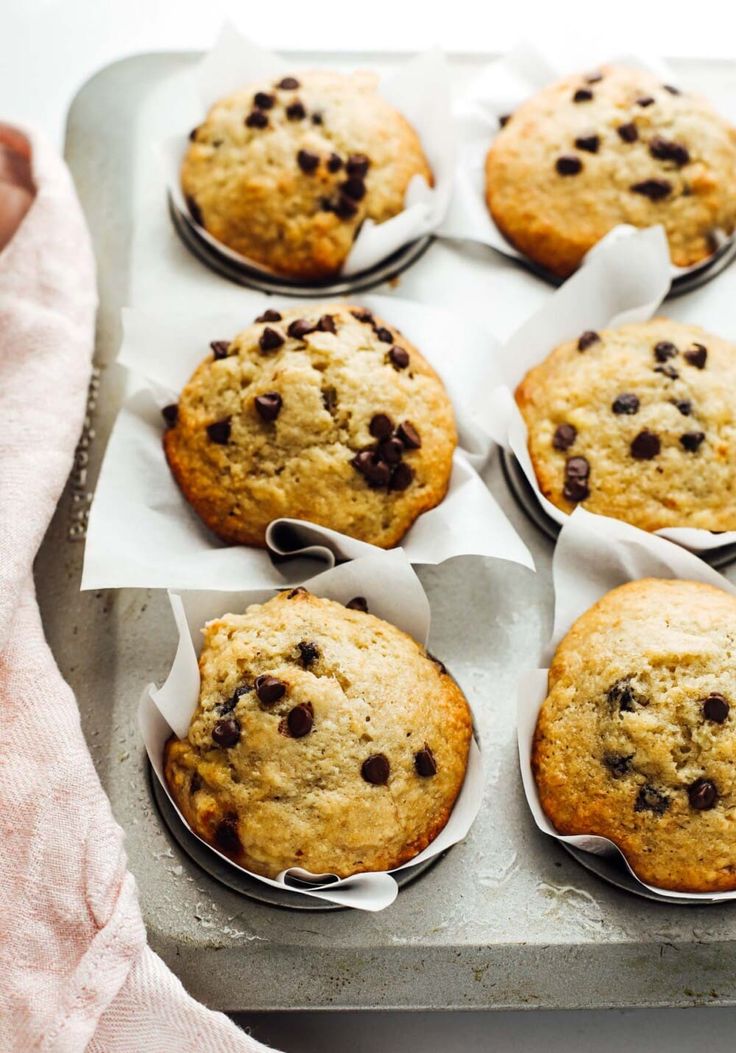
48	48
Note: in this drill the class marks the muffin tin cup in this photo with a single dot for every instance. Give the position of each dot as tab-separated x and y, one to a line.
496	92
594	555
393	592
623	282
420	91
137	502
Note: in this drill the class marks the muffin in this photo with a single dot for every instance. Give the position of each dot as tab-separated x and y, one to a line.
614	146
286	173
638	423
636	740
324	738
322	413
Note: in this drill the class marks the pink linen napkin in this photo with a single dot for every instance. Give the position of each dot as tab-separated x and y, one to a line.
75	970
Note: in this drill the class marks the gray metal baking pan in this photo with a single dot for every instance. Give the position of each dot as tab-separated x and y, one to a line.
507	919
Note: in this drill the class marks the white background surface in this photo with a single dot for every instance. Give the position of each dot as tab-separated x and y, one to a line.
48	48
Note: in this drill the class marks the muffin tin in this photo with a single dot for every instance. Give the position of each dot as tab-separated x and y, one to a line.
507	918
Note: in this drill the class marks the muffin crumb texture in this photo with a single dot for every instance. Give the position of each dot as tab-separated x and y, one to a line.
608	147
324	738
636	740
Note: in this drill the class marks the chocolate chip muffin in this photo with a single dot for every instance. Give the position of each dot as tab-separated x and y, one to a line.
286	173
323	413
613	146
638	423
324	738
636	740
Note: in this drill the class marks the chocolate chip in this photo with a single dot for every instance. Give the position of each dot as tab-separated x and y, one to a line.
715	708
299	721
568	165
375	471
354	188
170	414
298	591
409	435
587	339
685	406
268	406
645	100
229	704
577	473
329	398
193	135
645	446
219	431
582	95
380	426
664	350
424	763
326	324
391	450
226	733
692	440
256	119
308	653
334	163
384	335
398	357
666	150
622	694
594	77
667	371
345	207
617	764
263	100
504	119
702	794
316	118
362	314
590	143
358	603
358	165
307	161
629	133
226	834
195	783
654	189
288	83
220	348
438	662
375	769
672	89
401	477
696	356
270	339
564	436
300	328
625	404
194	210
269	316
650	799
295	111
269	689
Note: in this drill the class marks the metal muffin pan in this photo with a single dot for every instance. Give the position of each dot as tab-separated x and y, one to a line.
525	495
508	919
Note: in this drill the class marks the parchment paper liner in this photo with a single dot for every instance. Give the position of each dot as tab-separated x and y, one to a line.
142	533
420	90
624	280
497	91
595	554
395	594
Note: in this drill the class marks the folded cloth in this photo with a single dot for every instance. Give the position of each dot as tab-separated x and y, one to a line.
75	970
